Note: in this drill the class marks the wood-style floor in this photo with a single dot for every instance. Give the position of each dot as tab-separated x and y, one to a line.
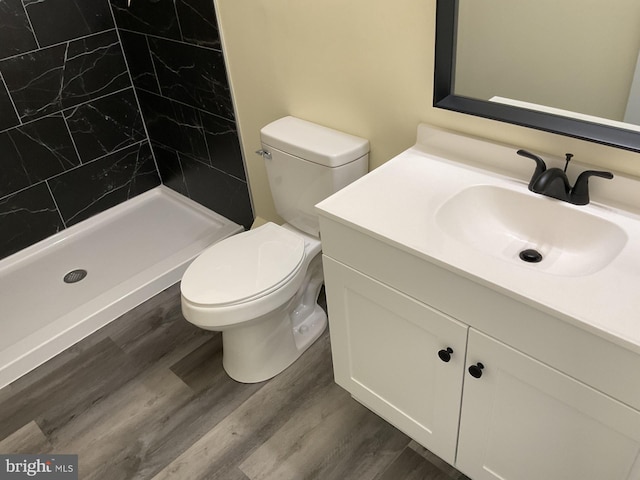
146	397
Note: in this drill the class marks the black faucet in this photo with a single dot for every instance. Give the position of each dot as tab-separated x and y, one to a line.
553	182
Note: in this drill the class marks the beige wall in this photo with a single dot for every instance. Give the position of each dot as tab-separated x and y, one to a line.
361	66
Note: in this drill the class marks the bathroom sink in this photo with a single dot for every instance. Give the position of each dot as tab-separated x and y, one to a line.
503	222
460	207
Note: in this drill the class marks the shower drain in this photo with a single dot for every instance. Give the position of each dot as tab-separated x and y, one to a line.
75	276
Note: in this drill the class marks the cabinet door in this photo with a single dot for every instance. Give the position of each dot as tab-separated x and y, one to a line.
385	352
522	420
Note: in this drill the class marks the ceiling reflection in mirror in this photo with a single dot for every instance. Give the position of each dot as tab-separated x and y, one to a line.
577	59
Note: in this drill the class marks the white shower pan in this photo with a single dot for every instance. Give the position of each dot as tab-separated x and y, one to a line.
130	252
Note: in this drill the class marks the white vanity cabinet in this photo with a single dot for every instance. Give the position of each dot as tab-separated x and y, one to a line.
423	254
393	315
386	353
522	420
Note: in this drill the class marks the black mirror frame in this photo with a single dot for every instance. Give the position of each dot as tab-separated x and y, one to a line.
444	96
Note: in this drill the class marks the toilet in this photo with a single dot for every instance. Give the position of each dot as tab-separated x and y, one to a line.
260	288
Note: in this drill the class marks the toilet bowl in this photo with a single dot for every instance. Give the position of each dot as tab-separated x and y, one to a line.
260	288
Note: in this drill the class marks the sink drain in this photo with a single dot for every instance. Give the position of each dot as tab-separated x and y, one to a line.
530	255
74	276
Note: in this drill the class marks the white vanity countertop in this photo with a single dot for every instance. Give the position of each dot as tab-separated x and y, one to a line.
398	202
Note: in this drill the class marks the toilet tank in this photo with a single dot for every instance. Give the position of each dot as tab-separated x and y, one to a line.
306	163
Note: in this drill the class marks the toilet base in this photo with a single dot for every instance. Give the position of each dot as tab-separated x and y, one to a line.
265	348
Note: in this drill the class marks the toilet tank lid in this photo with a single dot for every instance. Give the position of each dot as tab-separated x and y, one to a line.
313	142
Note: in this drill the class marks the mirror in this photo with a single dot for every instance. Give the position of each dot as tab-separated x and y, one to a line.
569	67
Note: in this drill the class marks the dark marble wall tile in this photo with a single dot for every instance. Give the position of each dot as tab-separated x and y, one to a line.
136	50
192	75
26	218
224	145
13	176
8	115
34	152
218	191
65	75
35	81
186	100
105	125
223	193
103	183
174	125
148	16
55	21
198	22
170	169
95	66
62	71
16	35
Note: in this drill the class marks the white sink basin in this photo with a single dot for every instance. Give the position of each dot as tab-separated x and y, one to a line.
502	222
462	204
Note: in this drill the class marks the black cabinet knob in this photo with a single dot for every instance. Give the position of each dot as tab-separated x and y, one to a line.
445	355
476	370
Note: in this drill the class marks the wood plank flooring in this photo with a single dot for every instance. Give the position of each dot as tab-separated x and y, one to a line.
146	397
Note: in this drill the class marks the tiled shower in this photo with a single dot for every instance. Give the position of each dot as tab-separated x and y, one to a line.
92	115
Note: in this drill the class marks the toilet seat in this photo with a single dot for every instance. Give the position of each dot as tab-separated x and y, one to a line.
244	267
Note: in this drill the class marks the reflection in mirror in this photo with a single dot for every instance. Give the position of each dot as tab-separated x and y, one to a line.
563	67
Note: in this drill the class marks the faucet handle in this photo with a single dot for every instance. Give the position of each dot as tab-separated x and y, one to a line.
580	191
595	173
540	165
